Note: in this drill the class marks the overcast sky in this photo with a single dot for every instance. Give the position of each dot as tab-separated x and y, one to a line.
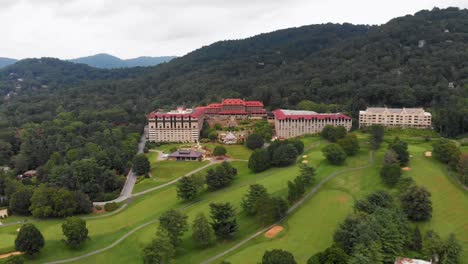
132	28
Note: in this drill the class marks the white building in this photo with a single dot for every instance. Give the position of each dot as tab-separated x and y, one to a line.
293	123
395	117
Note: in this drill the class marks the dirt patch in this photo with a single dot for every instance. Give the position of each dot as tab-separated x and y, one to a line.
406	168
98	211
428	153
273	231
2	256
343	199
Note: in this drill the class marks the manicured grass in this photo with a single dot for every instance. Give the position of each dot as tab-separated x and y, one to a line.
310	229
307	231
450	202
235	151
165	171
274	180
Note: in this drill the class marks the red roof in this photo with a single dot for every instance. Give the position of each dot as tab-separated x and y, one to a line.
233	112
214	106
233	102
280	115
253	103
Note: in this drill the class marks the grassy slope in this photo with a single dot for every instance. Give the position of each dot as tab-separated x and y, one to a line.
275	180
310	229
165	171
450	202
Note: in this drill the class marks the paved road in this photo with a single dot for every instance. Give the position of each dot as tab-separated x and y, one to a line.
131	177
291	209
294	207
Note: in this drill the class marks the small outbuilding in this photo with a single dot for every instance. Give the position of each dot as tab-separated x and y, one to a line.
230	138
185	155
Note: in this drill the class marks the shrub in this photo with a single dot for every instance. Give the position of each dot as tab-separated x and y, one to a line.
109	207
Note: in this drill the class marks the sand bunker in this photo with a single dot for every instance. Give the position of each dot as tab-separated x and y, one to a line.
305	161
406	168
2	256
273	231
304	156
428	154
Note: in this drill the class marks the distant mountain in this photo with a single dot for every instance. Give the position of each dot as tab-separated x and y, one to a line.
6	61
109	62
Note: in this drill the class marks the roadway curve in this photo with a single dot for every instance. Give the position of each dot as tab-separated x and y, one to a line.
131	177
294	207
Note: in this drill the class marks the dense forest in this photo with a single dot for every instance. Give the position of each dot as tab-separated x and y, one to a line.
55	113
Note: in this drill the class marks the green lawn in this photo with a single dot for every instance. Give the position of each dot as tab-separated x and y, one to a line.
450	202
307	231
274	179
310	229
165	171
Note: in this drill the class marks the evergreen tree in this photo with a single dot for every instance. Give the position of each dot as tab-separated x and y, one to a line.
307	174
453	251
160	250
20	201
175	223
259	160
366	254
221	176
187	188
254	141
223	219
416	241
249	201
401	149
202	232
377	134
29	239
141	165
390	174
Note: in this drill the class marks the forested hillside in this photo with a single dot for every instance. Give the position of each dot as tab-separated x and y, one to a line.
60	109
107	61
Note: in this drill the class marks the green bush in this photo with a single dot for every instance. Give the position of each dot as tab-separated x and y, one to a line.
109	207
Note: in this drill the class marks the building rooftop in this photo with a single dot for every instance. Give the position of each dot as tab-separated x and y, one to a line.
381	110
178	113
282	114
185	154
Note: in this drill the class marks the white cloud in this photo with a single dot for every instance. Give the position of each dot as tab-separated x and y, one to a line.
74	28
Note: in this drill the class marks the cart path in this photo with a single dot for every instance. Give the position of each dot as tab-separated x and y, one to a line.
290	211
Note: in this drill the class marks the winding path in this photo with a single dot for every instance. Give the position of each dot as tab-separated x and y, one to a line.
291	209
263	230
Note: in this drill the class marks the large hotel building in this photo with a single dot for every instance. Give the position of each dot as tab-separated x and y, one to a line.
181	125
293	123
184	125
395	117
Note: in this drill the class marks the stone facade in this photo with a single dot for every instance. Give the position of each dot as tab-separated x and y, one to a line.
293	123
181	125
395	117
